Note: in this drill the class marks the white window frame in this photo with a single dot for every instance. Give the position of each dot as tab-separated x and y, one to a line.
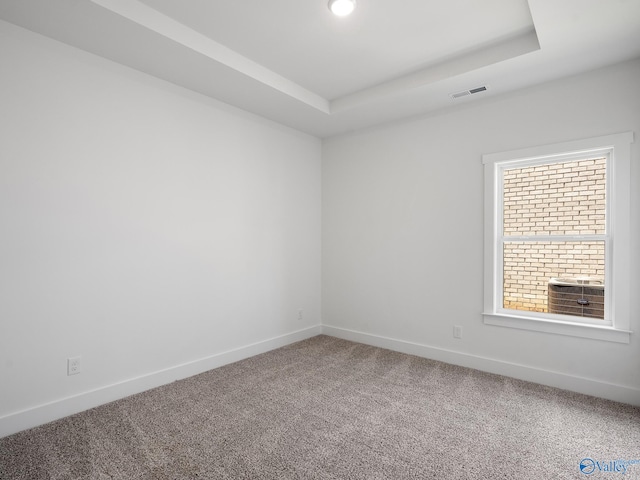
616	324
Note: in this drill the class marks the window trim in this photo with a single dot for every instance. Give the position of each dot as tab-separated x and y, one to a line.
618	275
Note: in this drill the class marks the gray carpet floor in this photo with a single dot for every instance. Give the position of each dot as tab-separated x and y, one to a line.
327	408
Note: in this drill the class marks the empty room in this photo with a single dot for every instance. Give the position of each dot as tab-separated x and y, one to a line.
319	239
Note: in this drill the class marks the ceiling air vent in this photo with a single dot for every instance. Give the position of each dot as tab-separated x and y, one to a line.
466	93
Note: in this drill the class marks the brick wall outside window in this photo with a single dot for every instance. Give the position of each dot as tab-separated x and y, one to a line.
565	198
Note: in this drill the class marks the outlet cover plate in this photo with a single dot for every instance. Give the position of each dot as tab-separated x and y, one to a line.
74	366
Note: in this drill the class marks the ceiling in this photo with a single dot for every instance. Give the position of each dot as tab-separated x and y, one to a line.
292	61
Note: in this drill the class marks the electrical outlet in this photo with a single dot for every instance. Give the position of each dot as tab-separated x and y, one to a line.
299	314
457	331
74	366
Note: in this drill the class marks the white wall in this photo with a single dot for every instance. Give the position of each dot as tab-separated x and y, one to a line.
403	231
142	227
158	233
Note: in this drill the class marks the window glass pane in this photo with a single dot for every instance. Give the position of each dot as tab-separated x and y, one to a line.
566	198
554	277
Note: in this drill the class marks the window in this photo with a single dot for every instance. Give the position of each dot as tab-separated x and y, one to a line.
553	235
557	238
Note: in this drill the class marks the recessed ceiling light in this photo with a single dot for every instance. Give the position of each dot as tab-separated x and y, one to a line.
342	8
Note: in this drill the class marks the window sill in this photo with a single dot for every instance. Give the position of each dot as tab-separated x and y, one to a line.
594	332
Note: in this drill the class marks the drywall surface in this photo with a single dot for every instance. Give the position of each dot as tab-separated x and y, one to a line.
142	226
403	224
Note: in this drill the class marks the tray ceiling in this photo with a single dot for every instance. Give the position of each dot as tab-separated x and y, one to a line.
292	61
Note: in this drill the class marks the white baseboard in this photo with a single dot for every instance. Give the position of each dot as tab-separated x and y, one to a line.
32	417
596	388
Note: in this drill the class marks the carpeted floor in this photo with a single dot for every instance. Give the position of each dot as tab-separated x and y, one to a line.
326	408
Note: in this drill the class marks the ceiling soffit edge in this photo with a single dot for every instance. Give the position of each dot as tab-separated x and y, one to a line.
462	62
